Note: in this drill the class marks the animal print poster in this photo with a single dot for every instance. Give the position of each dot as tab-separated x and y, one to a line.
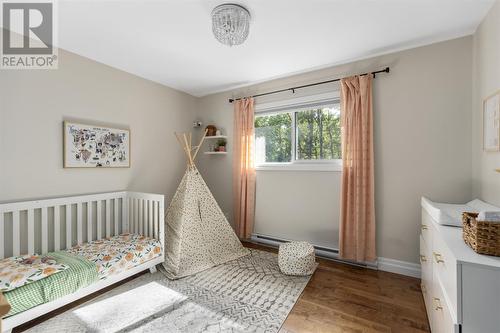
88	146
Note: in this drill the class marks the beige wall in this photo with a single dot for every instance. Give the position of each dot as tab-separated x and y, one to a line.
34	103
299	205
486	80
422	147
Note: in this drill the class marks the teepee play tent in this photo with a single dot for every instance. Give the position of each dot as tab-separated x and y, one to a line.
198	235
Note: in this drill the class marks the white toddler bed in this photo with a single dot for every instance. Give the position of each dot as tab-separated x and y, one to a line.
84	226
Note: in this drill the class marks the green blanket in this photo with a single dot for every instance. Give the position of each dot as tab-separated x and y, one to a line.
81	273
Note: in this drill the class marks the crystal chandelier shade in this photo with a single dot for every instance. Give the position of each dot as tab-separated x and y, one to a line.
230	24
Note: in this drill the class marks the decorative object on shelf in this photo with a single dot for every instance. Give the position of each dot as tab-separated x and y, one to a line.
221	145
90	146
218	133
482	236
230	24
211	130
491	122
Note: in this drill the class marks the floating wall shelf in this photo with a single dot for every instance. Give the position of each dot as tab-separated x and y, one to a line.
216	137
215	152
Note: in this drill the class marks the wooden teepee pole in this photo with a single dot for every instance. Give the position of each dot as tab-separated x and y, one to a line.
185	140
188	149
199	145
184	147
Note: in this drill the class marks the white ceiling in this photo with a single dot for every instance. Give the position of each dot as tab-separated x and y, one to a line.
171	41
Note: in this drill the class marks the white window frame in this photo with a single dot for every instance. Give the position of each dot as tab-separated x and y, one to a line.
291	106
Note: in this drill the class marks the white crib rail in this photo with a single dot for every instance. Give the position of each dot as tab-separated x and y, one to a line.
41	226
146	214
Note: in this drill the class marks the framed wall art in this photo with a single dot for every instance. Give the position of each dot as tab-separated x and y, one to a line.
91	146
491	123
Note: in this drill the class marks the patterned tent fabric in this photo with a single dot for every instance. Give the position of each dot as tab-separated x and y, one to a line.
198	235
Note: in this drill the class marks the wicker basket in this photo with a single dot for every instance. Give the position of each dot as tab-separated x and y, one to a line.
482	236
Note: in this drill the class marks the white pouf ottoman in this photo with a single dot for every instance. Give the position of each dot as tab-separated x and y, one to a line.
296	258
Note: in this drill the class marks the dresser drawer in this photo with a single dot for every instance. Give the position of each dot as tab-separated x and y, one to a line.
426	228
426	278
425	260
444	268
442	318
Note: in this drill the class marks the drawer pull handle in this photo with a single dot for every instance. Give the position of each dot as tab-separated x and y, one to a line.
424	227
438	257
437	304
422	286
423	258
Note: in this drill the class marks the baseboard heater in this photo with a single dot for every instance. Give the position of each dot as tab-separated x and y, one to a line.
321	251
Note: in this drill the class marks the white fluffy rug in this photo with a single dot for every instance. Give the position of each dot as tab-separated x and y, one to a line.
245	295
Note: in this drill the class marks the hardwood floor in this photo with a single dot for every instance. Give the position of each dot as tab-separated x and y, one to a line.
339	298
346	298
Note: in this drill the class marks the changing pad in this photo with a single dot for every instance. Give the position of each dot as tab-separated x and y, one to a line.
451	214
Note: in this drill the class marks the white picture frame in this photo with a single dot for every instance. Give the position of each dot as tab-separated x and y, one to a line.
94	146
491	123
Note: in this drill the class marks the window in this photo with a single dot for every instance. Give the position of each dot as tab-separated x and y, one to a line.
318	133
273	138
298	135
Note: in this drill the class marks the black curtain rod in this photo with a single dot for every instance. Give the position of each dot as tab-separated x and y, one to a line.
385	70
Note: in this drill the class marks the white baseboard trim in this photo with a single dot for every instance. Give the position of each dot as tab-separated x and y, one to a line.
398	267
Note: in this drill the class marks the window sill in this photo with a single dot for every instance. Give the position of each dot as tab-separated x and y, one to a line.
320	167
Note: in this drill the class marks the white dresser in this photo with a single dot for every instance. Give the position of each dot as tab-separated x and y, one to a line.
461	288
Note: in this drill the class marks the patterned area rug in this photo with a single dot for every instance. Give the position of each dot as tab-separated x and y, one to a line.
245	295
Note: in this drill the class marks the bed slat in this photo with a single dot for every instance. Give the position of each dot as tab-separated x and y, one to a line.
136	215
31	231
145	218
141	214
108	218
45	231
115	216
57	228
99	218
124	215
130	215
16	245
89	221
155	218
150	219
68	226
79	224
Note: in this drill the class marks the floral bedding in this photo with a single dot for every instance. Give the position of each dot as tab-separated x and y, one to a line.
118	253
22	270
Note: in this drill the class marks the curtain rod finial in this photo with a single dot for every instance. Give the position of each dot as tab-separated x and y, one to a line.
387	69
231	100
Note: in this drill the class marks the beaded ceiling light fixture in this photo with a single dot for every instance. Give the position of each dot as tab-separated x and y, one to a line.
230	24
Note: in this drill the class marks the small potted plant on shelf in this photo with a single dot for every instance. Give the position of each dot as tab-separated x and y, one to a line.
221	145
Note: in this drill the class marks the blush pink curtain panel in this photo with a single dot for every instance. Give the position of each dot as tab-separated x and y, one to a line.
357	220
243	167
